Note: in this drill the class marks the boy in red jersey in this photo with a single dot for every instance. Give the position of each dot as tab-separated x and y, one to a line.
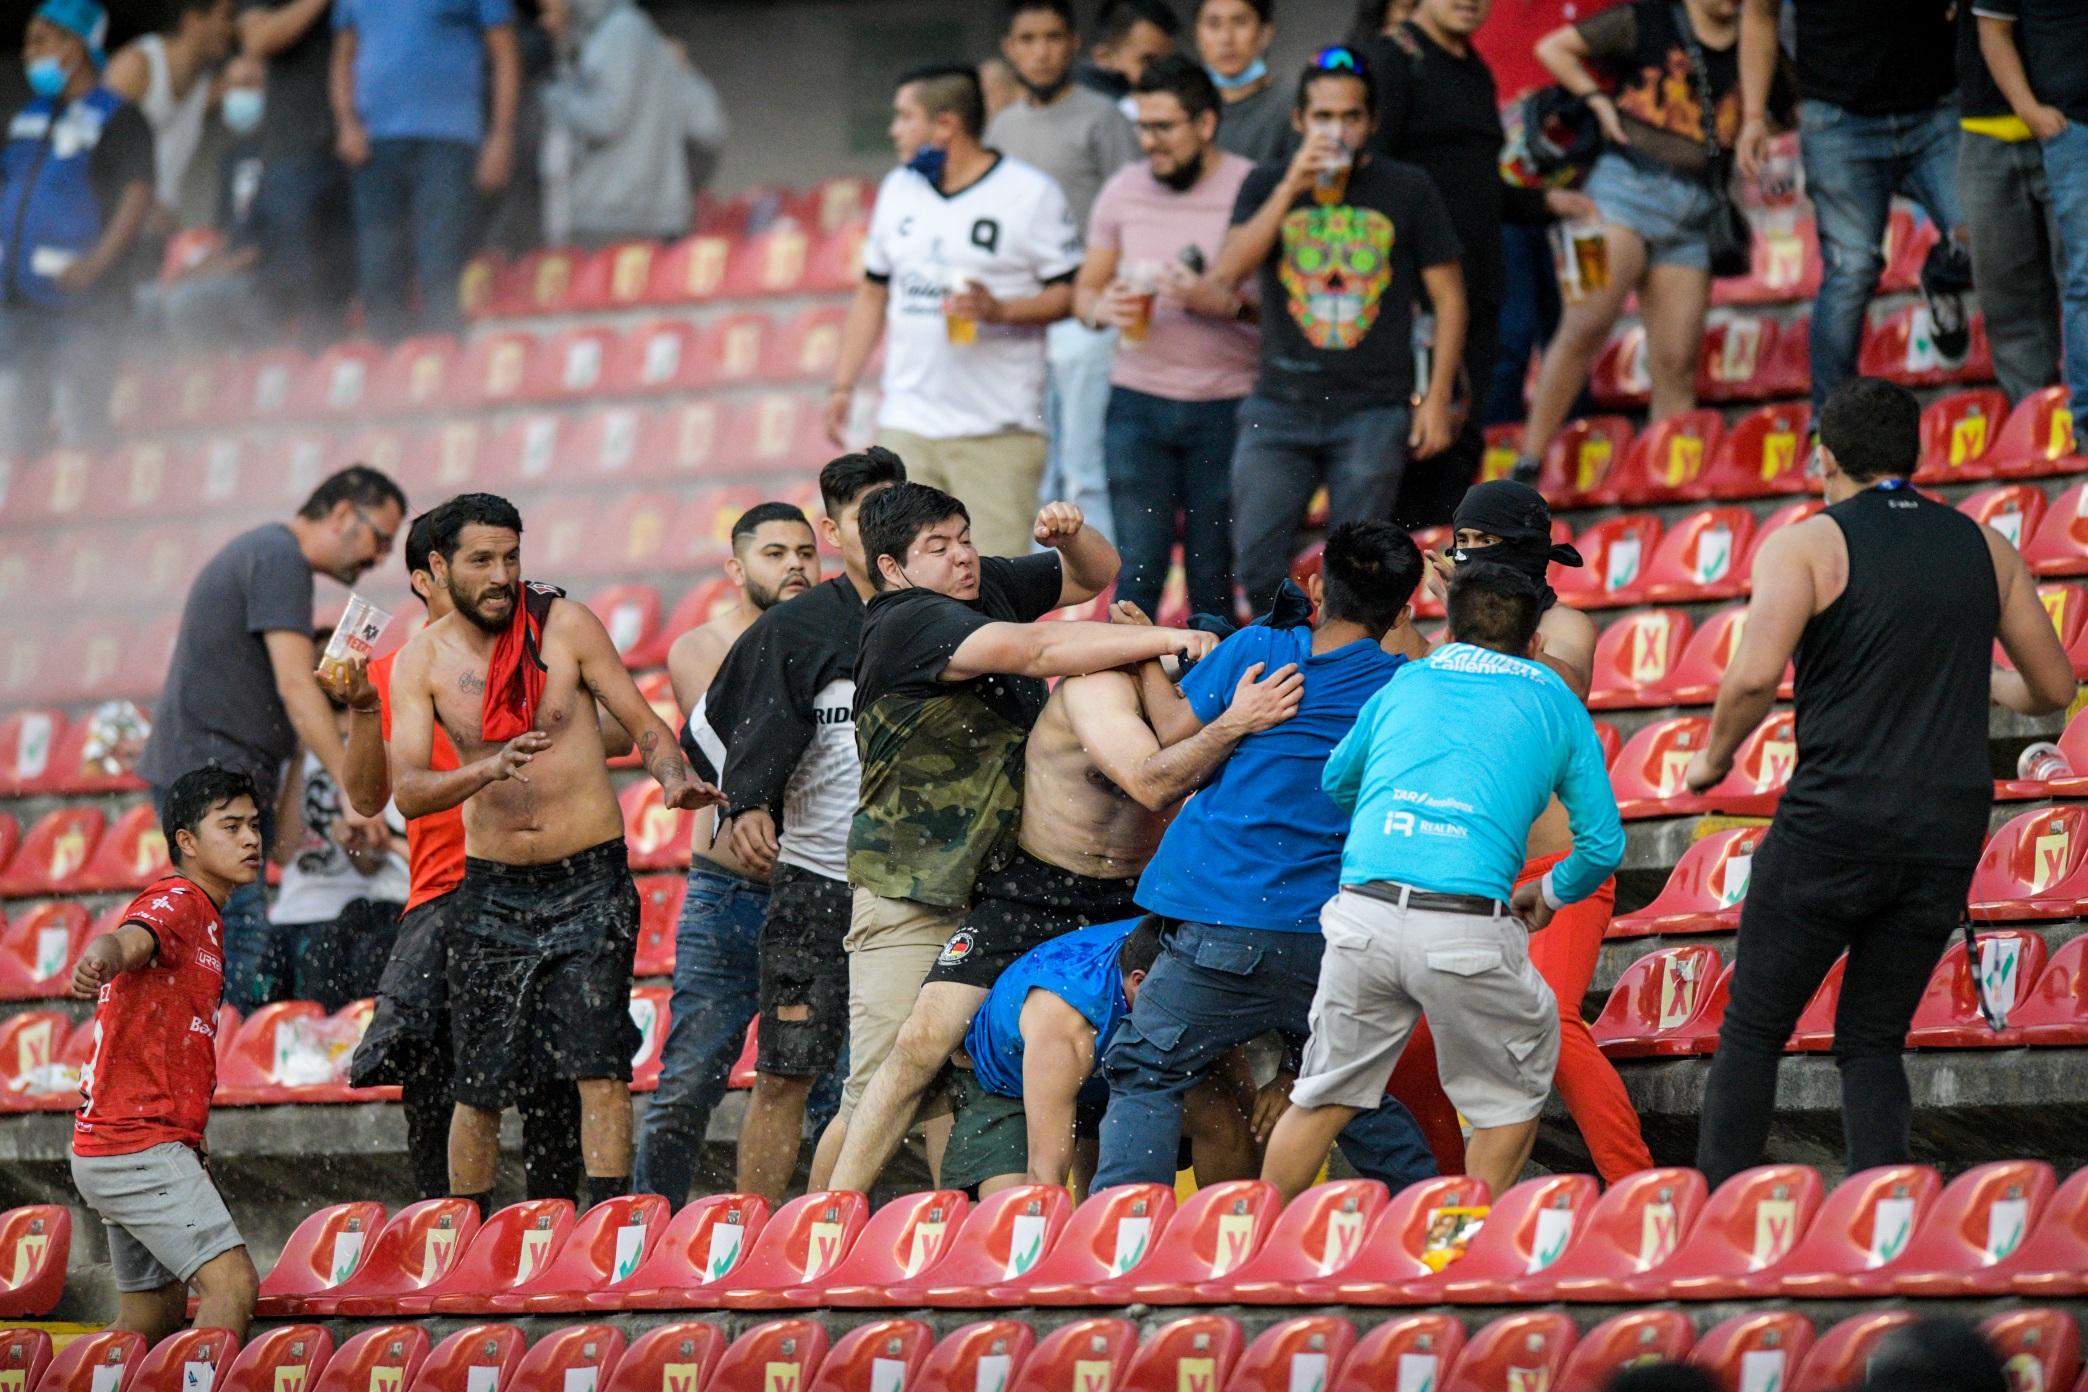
138	1148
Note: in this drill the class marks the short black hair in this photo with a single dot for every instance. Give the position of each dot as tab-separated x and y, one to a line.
1662	1377
1874	428
843	480
890	521
1185	78
358	484
471	509
1492	606
1338	61
950	87
1369	571
1119	17
420	540
195	795
1142	948
1265	10
1016	9
760	514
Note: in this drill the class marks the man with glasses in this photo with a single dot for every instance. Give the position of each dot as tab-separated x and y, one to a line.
242	692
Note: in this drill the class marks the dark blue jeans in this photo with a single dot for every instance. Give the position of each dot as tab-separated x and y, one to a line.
416	214
306	270
1285	452
1166	458
1212	989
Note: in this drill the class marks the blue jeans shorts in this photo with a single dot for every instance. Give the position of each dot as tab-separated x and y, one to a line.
1671	212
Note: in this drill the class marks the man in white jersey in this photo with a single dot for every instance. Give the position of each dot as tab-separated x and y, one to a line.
970	254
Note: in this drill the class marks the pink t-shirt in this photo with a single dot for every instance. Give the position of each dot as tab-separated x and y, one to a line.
1185	357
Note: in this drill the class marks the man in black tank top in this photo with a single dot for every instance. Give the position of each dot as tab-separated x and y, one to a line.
1890	604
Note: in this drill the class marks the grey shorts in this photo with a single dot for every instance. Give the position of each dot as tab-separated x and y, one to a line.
1495	1022
1670	211
164	1215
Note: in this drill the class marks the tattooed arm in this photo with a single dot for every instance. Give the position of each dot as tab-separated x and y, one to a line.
603	673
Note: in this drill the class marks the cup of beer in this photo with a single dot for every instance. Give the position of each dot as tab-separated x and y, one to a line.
961	329
1141	283
1331	185
1582	252
353	637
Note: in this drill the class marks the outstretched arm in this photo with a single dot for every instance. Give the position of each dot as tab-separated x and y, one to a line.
1066	648
1104	711
603	673
2043	679
1777	613
1058	1054
131	946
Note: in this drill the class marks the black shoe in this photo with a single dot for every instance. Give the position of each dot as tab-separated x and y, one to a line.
1526	470
1945	276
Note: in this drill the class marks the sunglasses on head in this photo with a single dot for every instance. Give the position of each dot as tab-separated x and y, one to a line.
1337	58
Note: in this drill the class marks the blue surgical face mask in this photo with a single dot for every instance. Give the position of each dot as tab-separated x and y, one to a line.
244	107
47	76
1247	77
929	162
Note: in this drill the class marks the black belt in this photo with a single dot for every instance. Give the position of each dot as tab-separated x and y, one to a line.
1408	897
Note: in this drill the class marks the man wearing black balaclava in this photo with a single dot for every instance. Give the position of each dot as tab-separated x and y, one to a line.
1508	523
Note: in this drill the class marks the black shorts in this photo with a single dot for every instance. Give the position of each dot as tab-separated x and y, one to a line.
803	964
412	1017
540	973
1021	905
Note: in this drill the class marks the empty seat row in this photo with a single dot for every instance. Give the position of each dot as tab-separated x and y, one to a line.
43	752
77	850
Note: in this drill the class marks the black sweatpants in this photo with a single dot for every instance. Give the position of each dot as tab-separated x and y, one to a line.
1804	907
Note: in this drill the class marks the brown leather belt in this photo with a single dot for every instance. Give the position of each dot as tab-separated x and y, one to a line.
1408	897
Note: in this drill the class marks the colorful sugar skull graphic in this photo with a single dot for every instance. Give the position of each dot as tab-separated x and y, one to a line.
1336	264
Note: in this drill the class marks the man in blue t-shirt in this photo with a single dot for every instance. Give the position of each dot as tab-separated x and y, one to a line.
1246	865
1424	921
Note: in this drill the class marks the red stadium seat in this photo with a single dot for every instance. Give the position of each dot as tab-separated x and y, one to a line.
1210	1236
1317	1237
649	1013
131	854
104	1362
1626	1341
1901	347
983	1357
1633	658
636	536
265	1064
288	1358
37	951
835	265
477	1358
2038	437
2014	510
2067	607
2035	867
30	1079
1632	1229
186	1359
691	269
1404	1354
2053	1260
659	915
732	349
35	1244
1948	1017
1700	559
98	752
495	370
767	434
1761	767
805	347
384	1359
670	1358
420	374
683	442
616	277
1528	1229
605	1248
52	855
1735	360
1979	1222
1620	379
608	444
1647	772
1838	1358
1393	1258
902	1241
2058	544
1088	1355
1109	1235
576	1358
1814	1032
539	283
1302	1354
510	1250
325	1250
882	1356
1616	551
2055	1011
701	1244
1754	1352
662	356
1579	459
1865	1224
1515	1351
1002	1239
1744	1232
768	264
24	1354
419	1246
834	203
1762	454
145	480
1654	1008
631	613
522	453
572	365
780	1356
805	1239
2037	1348
1786	270
1703	892
341	382
1193	1354
1956	433
658	834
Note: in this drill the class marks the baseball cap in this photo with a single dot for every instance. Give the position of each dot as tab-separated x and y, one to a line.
84	18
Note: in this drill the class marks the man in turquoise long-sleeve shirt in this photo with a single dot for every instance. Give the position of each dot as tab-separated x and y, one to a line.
1445	770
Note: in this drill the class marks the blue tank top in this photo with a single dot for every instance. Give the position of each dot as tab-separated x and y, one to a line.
1080	969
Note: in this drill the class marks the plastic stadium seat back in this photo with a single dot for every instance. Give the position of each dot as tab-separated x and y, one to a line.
1519	1351
495	370
2037	1348
902	1242
572	365
691	269
2012	509
1667	460
52	854
1001	1239
1754	1351
1196	1353
1306	1352
1704	891
743	1067
1786	268
703	529
29	740
1737	357
836	261
732	348
614	277
539	283
1957	433
188	1358
981	1357
631	613
662	356
1839	1356
770	263
768	433
1865	1224
805	1239
1403	1354
2037	439
1761	767
1761	454
385	1359
326	1249
669	1358
2073	744
1634	657
882	1356
2056	1009
1626	1341
104	1362
1814	1032
684	441
1107	1237
24	1354
33	1077
1615	552
805	347
1580	458
130	855
1648	770
605	1248
658	834
35	1244
253	1072
1611	739
1528	1229
98	753
701	1244
287	1358
1395	1250
2034	867
659	919
576	1358
1316	1237
1087	1355
38	948
1620	379
637	535
421	1244
1632	1229
780	1356
697	606
477	1358
1210	1236
509	1250
1948	1016
2059	543
1701	558
1980	1219
341	382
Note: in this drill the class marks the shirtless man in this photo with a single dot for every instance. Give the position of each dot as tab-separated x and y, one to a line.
1099	788
547	916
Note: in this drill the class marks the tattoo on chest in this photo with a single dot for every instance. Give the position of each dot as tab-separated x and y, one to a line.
471	683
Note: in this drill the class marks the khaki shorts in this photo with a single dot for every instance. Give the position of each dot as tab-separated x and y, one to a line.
995	476
1495	1022
891	945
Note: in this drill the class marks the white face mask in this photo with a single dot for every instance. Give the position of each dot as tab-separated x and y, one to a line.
244	108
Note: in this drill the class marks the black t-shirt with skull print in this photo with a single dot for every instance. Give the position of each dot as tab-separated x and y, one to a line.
1339	287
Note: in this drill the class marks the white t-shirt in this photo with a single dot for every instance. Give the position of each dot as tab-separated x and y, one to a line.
819	802
1011	231
320	881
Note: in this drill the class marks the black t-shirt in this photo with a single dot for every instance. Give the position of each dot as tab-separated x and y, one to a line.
1338	288
1876	57
1657	94
2052	36
300	114
909	636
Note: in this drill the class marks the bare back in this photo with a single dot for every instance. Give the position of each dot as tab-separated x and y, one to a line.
692	665
1073	816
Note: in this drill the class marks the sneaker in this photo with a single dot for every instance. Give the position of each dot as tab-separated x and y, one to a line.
1945	276
1526	469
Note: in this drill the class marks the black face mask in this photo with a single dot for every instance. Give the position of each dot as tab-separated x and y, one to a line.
1516	513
